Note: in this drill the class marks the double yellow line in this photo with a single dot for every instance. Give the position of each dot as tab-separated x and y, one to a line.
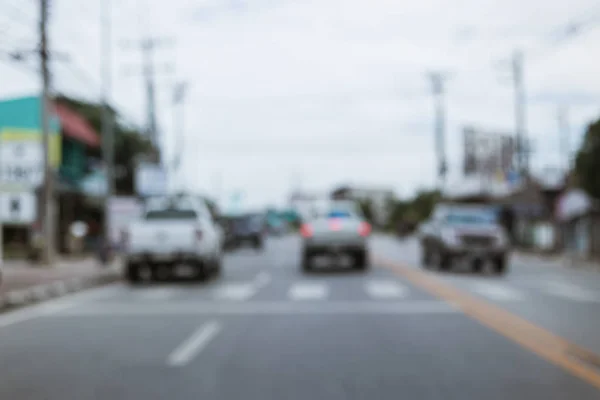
555	349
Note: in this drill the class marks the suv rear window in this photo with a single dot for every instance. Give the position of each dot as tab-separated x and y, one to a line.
171	214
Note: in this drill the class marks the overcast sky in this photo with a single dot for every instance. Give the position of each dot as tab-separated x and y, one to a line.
314	93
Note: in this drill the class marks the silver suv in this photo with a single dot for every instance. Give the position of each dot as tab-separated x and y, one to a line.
458	232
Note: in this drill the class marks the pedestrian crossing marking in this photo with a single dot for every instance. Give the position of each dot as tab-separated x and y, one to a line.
497	292
308	291
235	291
385	289
570	292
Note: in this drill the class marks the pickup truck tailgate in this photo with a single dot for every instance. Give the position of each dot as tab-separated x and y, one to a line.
163	236
338	231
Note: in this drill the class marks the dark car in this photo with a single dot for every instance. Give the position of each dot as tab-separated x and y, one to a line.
247	229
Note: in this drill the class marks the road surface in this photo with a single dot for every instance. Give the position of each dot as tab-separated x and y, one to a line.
265	330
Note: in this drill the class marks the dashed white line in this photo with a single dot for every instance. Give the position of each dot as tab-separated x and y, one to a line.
183	354
385	289
308	291
497	292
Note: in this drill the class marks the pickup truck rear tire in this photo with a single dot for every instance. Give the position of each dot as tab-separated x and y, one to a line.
306	261
500	265
361	260
132	273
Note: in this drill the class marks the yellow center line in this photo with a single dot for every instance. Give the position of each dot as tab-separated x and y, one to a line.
553	348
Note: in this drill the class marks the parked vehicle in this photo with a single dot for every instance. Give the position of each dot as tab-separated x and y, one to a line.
468	233
337	229
245	229
166	238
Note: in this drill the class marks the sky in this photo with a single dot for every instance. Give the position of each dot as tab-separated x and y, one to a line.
310	94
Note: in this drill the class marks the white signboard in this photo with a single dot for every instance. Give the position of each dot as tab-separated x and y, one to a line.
22	162
150	179
121	211
18	208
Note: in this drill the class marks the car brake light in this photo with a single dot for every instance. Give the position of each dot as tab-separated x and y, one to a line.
364	229
306	230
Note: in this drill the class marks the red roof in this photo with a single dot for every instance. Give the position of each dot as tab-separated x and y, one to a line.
75	126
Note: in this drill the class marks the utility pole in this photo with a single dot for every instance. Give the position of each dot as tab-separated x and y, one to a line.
437	81
522	147
564	138
179	95
148	46
108	139
48	192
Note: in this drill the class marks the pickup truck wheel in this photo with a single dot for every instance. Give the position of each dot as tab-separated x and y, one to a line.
361	260
306	262
132	273
500	265
445	262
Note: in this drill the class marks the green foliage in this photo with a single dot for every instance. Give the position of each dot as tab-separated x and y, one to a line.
367	210
130	143
587	163
406	214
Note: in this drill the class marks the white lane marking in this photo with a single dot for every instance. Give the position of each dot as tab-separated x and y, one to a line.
570	292
155	293
385	289
183	354
497	292
264	308
235	291
308	291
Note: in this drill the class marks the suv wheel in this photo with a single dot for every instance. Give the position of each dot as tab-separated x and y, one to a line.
306	261
132	273
361	260
500	265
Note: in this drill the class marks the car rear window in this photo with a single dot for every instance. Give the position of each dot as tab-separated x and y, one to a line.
474	217
171	214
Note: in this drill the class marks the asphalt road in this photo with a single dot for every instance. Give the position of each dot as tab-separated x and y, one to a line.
265	330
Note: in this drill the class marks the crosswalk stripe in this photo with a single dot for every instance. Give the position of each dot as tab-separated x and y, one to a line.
570	292
385	289
497	292
156	294
308	291
235	291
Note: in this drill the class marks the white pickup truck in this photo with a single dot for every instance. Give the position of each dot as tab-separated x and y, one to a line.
167	238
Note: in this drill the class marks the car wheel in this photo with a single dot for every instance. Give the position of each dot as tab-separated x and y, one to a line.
218	267
132	273
500	265
361	260
306	262
425	257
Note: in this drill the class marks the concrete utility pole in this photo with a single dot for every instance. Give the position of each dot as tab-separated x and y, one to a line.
522	148
179	95
148	46
108	139
48	193
437	81
564	138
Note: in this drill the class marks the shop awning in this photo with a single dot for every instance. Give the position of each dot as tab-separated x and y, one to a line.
76	127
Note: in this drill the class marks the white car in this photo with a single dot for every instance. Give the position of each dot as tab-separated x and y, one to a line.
179	233
336	229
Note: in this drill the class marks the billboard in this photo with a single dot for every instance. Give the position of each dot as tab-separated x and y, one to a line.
487	153
150	179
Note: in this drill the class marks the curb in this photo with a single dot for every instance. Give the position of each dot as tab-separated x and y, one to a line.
35	294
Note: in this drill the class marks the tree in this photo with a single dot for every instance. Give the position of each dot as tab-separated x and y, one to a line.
587	162
366	209
130	143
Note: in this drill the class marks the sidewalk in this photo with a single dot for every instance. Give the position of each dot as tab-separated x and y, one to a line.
24	283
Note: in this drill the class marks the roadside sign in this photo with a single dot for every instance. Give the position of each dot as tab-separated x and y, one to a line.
18	208
150	179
